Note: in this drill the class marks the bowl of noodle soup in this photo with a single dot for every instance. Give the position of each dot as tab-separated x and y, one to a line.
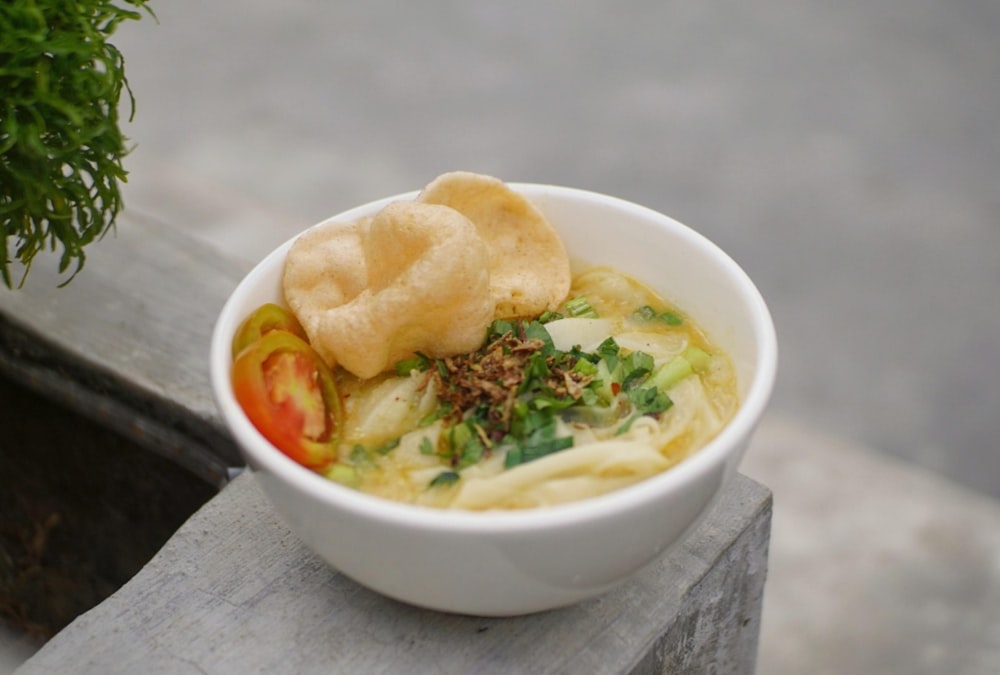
505	562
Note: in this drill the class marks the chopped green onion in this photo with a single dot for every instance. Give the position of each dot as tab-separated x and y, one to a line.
670	373
699	358
585	367
644	313
647	313
603	383
579	308
692	360
344	474
426	447
624	428
671	318
418	362
443	410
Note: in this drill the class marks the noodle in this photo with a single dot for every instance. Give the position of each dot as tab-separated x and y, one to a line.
611	445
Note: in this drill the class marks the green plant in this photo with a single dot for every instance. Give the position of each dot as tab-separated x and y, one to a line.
61	147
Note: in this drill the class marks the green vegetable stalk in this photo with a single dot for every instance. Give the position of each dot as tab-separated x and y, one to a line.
61	148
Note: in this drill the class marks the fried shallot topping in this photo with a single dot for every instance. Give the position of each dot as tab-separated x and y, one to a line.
490	379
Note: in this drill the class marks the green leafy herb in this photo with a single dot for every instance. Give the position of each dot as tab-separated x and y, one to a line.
387	447
635	367
538	438
444	478
518	392
649	400
608	352
61	148
466	443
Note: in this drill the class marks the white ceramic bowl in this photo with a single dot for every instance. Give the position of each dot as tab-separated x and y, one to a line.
501	564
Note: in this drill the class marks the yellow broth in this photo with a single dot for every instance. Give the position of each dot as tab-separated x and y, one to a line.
389	449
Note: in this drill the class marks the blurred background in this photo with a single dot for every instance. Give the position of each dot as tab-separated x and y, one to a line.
845	154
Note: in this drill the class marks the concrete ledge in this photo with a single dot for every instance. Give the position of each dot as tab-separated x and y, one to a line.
126	343
235	591
876	565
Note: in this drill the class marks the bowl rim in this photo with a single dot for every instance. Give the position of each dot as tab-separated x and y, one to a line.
262	456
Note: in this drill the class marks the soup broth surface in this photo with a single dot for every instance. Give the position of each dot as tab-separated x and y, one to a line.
625	386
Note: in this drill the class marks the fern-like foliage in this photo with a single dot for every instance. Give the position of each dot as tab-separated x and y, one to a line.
61	147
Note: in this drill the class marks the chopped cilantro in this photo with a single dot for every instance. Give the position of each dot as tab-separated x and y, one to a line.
387	447
635	367
498	328
466	444
536	331
510	396
608	351
649	400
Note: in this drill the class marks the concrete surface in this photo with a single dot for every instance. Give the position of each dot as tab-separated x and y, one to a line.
845	154
195	609
876	567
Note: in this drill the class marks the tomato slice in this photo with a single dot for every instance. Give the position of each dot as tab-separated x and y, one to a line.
289	394
265	319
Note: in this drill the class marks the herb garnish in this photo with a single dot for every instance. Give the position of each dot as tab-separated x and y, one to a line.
510	395
61	148
444	478
647	313
518	394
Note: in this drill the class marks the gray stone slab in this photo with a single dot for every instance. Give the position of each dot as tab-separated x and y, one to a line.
126	342
234	591
876	566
